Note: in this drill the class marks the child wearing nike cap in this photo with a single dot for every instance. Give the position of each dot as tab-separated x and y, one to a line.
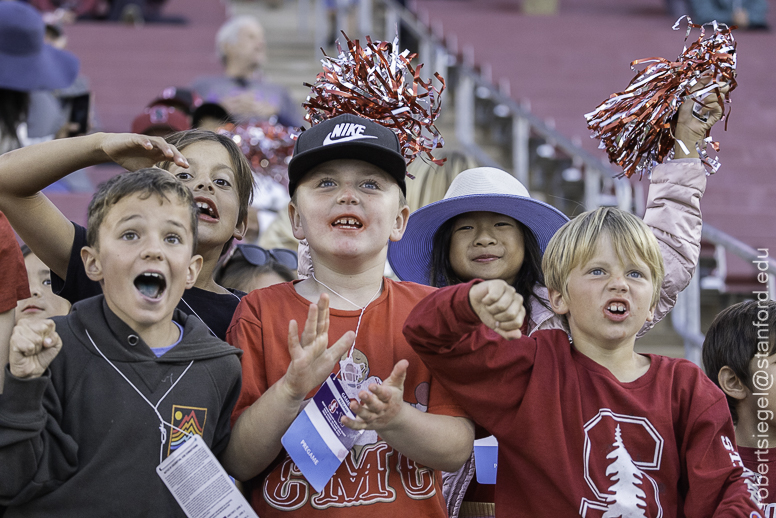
348	200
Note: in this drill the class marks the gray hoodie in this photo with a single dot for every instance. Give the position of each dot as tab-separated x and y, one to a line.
80	441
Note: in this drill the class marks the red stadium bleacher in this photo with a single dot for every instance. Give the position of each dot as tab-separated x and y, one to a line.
568	63
129	66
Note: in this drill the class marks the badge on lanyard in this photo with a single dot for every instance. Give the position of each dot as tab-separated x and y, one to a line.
486	459
200	485
317	441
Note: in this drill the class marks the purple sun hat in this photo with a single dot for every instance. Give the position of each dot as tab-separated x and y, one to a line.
26	62
474	190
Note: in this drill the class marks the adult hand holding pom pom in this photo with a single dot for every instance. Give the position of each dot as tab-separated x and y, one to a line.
639	127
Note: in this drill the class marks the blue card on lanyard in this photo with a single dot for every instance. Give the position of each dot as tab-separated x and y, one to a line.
316	441
486	459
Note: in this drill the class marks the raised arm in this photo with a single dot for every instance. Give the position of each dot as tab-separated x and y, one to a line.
487	374
25	172
674	204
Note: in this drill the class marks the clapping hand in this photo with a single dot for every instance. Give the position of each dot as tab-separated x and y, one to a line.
381	403
312	360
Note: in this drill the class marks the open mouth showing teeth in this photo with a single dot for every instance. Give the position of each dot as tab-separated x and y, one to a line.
617	308
206	208
150	284
347	222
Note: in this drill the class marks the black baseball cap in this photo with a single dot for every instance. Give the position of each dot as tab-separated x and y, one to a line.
347	136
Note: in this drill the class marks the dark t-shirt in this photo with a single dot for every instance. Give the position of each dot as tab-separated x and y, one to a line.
214	309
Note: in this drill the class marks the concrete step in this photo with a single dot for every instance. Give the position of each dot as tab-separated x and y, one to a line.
291	56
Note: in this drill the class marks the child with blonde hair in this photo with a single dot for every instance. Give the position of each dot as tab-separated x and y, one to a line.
579	415
348	200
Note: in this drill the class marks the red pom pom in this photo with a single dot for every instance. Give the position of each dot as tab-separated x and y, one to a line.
267	146
636	126
379	83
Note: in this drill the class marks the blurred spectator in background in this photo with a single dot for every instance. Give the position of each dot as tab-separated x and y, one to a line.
185	100
134	12
250	267
160	121
28	64
43	303
279	234
747	14
431	181
169	112
66	112
241	89
69	10
210	116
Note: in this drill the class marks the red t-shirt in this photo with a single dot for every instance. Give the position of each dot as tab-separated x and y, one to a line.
374	480
13	274
573	439
763	462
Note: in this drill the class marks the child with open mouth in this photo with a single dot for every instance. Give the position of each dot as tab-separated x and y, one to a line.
578	414
347	182
95	400
209	165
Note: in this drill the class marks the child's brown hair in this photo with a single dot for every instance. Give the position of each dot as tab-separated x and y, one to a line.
144	182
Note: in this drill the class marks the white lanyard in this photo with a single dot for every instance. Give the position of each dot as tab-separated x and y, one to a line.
358	325
200	318
155	408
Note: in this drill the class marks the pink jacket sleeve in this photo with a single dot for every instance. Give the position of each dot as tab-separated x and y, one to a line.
674	215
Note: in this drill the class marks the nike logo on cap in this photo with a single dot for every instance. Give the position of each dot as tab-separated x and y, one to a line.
346	132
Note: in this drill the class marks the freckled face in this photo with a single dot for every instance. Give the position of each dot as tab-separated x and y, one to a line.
348	209
144	259
486	245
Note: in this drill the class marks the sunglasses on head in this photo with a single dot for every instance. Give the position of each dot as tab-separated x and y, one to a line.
258	256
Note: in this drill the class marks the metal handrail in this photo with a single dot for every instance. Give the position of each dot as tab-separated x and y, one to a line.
685	316
741	249
686	313
525	122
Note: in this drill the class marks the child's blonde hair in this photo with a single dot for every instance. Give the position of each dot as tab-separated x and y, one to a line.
575	244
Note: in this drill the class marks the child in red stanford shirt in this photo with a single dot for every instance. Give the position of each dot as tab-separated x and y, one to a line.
586	426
